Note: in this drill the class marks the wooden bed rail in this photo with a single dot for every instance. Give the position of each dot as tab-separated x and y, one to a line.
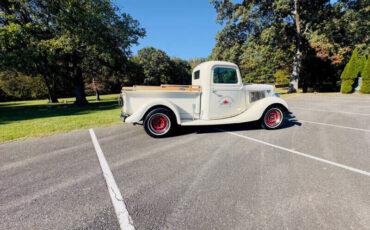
163	87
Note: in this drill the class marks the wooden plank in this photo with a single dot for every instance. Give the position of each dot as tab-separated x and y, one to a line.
163	87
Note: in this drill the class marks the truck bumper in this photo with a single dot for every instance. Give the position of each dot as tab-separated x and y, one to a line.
123	116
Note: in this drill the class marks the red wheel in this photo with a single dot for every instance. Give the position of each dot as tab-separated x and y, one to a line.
273	118
159	122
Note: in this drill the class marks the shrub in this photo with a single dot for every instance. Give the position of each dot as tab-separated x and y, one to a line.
365	74
347	86
351	69
366	70
365	87
361	63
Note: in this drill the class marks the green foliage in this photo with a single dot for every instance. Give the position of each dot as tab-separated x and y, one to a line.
261	37
155	64
351	70
158	68
347	86
365	88
63	39
282	77
361	63
19	86
180	71
354	67
366	70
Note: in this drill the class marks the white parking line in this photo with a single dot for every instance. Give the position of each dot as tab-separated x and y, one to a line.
337	126
123	216
329	111
300	153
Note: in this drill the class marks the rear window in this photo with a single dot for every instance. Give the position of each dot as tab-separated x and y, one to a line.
196	74
224	76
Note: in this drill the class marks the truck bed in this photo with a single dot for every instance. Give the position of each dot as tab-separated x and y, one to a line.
186	98
163	87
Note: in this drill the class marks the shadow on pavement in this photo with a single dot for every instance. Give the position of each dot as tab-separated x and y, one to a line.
289	121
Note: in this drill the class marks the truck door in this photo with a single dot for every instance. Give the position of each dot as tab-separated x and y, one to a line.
227	97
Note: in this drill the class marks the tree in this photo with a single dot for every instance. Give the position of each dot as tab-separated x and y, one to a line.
361	63
65	38
350	73
268	35
180	71
24	31
273	26
282	77
156	66
351	70
19	86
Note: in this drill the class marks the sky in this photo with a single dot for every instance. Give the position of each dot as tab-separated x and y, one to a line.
182	28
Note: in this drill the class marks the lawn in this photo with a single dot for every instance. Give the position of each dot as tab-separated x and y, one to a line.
36	118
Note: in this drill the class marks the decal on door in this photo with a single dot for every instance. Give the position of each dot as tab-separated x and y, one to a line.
225	101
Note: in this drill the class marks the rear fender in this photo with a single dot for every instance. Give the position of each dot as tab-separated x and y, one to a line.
139	114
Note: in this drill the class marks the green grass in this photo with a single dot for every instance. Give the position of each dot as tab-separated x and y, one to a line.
25	119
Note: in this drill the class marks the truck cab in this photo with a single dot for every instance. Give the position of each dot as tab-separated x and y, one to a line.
221	89
217	96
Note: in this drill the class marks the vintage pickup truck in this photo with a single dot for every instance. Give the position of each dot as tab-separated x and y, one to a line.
217	96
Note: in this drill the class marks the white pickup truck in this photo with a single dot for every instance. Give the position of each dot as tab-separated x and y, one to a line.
217	96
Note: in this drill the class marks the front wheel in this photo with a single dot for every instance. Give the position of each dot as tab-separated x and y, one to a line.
272	118
159	123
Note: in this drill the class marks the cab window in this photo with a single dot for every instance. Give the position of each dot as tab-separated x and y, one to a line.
196	75
224	76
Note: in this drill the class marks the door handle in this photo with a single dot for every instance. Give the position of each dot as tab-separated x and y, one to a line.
215	92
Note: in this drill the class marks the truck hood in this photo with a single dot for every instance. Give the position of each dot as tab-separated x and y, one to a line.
269	89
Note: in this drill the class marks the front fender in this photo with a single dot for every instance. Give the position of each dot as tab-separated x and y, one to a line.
257	109
139	114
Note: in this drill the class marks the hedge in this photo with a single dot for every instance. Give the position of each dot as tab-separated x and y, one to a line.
365	87
347	86
365	75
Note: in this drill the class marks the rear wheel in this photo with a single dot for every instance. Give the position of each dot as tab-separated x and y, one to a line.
272	118
159	123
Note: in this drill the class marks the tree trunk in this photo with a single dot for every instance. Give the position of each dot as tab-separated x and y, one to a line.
96	91
293	84
79	86
79	89
52	97
297	62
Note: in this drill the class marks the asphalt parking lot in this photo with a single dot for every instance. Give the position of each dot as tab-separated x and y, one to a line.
314	173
